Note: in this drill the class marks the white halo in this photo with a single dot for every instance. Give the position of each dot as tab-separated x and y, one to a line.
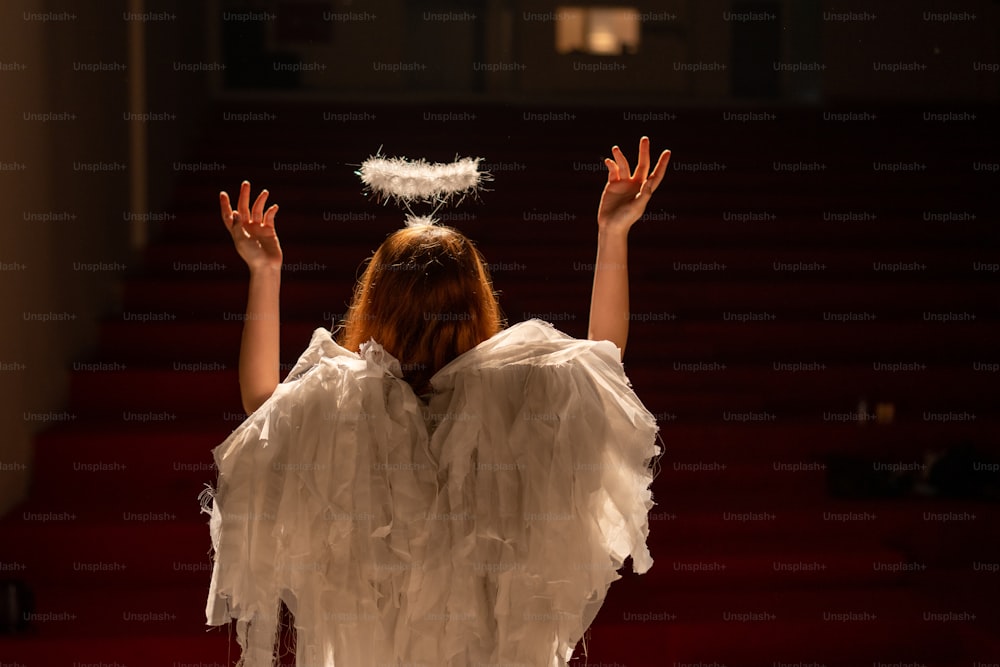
418	180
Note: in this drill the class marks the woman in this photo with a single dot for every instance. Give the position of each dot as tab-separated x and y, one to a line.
432	489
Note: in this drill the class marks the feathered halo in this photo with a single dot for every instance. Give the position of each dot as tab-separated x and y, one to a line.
408	181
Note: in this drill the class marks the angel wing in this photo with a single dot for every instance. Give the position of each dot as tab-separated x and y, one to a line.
483	524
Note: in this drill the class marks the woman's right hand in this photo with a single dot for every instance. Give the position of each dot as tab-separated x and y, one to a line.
252	230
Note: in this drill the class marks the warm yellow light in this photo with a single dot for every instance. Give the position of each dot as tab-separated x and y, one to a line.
597	30
603	43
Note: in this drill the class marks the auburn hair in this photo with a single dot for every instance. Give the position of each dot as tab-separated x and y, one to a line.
426	297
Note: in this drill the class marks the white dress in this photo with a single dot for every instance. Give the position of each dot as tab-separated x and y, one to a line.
483	523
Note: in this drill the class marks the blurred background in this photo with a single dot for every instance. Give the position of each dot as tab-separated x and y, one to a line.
814	293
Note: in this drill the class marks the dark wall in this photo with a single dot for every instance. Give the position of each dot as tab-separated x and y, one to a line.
710	51
67	182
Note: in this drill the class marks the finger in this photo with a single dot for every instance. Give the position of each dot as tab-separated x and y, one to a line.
653	182
269	216
227	210
623	168
244	202
613	174
642	167
258	206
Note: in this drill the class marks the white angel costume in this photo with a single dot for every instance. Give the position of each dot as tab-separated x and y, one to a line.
482	523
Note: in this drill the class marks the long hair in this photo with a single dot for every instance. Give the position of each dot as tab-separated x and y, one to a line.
426	297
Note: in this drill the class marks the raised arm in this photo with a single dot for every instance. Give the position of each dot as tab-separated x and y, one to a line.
257	243
622	204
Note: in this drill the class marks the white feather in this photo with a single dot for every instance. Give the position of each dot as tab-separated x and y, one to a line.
420	220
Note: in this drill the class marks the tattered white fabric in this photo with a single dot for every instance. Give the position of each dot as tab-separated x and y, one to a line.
418	180
483	525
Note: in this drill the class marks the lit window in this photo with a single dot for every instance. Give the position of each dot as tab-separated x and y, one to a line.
602	31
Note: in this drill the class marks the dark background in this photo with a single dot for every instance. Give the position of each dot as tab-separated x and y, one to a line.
122	121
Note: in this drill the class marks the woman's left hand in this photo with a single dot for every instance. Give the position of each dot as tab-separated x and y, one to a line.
627	193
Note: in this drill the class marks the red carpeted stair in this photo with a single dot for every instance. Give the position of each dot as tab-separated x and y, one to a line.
756	564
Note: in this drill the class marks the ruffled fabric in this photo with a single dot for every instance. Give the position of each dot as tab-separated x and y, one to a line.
483	524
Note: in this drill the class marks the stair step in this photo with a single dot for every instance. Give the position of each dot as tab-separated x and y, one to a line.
961	343
301	295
